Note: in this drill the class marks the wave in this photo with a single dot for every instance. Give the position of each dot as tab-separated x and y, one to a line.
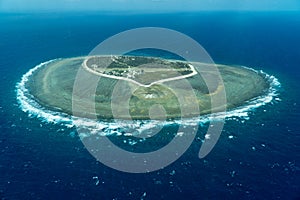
28	104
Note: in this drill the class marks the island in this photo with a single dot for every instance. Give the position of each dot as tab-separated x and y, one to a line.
147	81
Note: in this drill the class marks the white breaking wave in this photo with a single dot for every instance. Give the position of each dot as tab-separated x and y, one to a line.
133	128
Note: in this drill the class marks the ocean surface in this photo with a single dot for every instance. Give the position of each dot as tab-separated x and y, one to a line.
256	157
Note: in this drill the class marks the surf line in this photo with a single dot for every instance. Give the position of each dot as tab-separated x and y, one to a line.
28	104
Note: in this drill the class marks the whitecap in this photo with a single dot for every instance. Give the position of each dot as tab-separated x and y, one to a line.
133	128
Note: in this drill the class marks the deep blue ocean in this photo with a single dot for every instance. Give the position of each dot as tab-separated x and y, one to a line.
40	160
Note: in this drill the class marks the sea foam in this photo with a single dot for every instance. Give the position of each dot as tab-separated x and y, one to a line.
134	128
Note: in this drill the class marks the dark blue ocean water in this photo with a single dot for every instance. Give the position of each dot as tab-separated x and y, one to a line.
43	161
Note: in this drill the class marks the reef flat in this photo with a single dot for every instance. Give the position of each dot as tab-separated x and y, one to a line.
149	83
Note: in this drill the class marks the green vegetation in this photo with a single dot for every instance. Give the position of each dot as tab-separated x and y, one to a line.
144	70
